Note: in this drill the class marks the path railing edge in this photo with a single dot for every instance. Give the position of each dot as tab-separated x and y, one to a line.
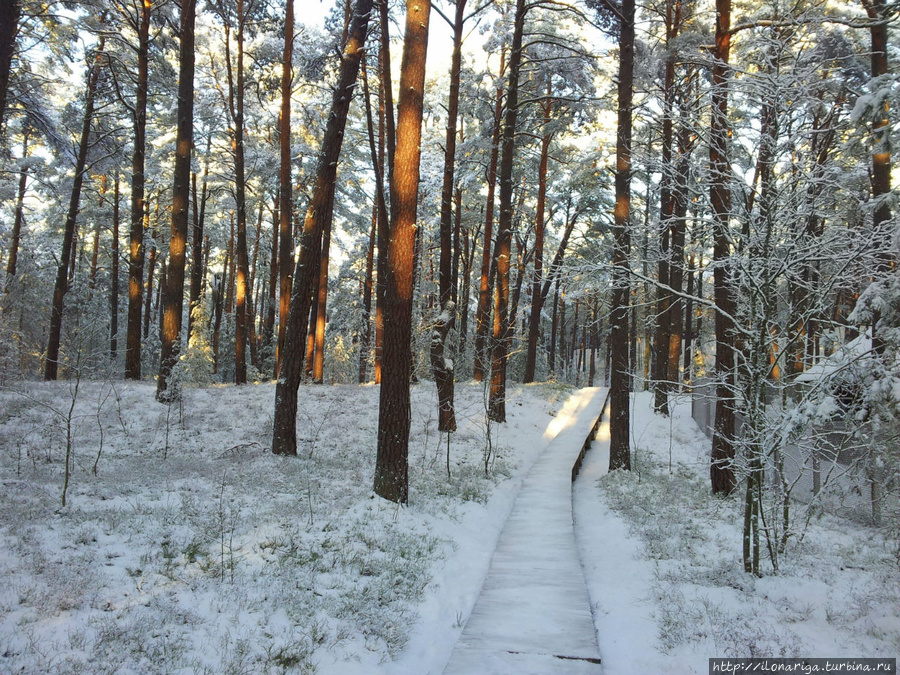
591	437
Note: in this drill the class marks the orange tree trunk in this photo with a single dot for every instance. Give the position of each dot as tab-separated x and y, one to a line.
286	243
499	354
138	205
721	471
391	466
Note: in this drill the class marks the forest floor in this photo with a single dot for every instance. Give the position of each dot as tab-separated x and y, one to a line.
186	547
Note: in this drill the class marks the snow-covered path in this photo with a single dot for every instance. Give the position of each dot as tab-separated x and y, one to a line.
533	614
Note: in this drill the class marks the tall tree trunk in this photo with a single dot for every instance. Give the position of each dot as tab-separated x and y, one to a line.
534	320
138	205
689	321
114	276
554	327
468	260
664	310
12	261
380	223
721	471
677	234
881	154
318	370
441	367
497	398
229	269
10	13
619	381
269	323
51	359
483	311
368	285
285	245
284	436
148	299
95	245
199	216
391	467
173	293
236	111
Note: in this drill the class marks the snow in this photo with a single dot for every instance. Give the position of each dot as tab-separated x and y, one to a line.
852	351
662	564
194	550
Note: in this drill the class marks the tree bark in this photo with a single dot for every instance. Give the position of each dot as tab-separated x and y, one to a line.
138	204
51	359
443	368
318	371
499	355
286	210
483	311
114	276
877	11
391	465
284	436
173	293
10	13
199	216
722	456
619	394
534	320
12	261
664	309
368	284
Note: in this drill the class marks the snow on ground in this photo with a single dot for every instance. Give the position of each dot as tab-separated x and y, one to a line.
662	559
192	549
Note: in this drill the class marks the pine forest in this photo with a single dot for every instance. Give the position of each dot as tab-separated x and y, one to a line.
291	289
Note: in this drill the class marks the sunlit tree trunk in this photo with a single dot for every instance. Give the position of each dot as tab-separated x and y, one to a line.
138	205
284	436
663	315
483	311
534	320
386	144
877	11
242	272
368	285
721	471
173	293
391	465
500	353
286	209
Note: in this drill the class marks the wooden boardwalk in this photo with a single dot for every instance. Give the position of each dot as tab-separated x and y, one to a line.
533	615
